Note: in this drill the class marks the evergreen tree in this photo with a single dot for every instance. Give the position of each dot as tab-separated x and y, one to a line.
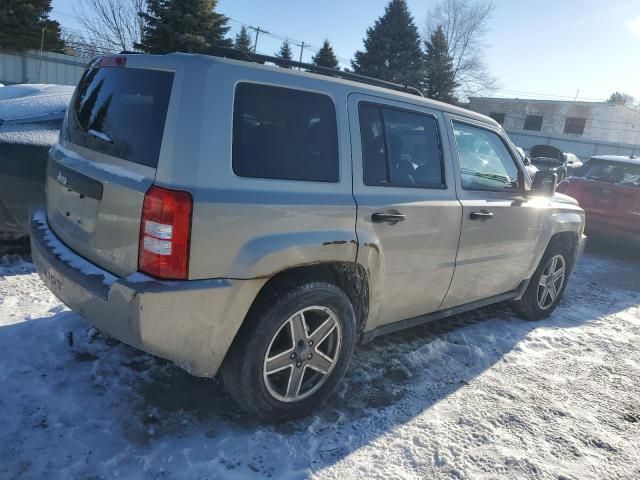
183	26
243	40
53	41
21	24
440	78
392	48
620	98
325	56
285	52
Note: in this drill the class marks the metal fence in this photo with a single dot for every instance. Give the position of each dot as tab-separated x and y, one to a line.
584	149
33	67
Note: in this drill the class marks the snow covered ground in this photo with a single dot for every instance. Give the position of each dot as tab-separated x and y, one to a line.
484	395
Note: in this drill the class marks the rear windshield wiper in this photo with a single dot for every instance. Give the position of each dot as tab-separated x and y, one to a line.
100	135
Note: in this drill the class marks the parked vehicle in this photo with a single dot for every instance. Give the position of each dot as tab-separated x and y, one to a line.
225	214
30	121
549	159
608	188
528	166
572	162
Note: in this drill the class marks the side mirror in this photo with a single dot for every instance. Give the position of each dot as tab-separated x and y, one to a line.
544	183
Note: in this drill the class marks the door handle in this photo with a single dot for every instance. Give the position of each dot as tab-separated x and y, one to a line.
390	218
481	215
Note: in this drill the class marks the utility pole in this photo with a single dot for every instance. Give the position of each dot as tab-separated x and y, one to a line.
257	30
576	95
301	51
41	53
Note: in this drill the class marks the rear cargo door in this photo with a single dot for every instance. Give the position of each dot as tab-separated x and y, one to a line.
106	160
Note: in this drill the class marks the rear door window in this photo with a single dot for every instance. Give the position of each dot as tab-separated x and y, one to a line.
400	148
121	112
283	133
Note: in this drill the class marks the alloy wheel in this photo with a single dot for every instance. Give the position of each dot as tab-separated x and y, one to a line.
551	281
302	353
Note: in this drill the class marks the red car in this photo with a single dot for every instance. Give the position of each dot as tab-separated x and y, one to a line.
608	188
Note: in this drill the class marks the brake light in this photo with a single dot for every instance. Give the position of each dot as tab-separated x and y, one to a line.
112	61
165	233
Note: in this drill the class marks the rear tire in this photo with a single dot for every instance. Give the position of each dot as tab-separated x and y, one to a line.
292	352
548	283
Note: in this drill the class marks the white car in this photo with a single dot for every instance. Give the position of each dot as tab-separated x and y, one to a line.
572	162
529	167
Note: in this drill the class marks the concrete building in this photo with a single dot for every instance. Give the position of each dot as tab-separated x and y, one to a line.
583	128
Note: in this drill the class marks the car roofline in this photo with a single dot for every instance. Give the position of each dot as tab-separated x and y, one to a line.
177	58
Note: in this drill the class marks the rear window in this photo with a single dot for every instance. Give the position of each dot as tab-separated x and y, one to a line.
282	133
121	112
617	173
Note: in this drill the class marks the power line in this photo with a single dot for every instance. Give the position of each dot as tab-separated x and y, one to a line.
299	43
547	95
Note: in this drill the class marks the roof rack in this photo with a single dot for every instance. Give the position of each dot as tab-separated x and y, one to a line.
236	54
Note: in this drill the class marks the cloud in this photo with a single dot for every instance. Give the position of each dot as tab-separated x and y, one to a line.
634	26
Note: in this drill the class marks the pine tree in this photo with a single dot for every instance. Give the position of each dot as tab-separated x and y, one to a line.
392	48
21	24
183	26
53	41
243	40
439	79
325	56
285	53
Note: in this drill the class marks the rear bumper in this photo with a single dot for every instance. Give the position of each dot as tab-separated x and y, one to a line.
191	323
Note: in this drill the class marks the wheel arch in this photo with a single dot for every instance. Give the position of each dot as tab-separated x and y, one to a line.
350	277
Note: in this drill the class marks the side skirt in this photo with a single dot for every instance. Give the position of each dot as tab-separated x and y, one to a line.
440	314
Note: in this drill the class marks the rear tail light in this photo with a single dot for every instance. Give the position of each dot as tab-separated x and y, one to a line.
165	233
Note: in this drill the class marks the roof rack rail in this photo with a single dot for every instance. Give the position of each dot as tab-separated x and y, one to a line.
236	54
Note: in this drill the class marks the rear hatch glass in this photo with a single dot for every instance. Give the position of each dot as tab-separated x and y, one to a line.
121	112
106	161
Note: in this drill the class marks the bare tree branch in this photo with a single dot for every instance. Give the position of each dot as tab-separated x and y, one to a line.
111	25
464	23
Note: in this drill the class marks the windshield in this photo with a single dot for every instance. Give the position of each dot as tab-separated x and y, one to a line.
618	173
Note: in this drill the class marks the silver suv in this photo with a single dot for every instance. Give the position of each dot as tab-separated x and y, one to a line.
262	221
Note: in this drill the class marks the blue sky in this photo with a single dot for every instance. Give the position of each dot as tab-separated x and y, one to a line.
543	47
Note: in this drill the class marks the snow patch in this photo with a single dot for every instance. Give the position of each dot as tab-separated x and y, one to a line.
29	134
100	135
30	89
105	167
139	278
67	255
479	395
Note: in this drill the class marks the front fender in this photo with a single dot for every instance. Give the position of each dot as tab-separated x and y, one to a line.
560	218
268	255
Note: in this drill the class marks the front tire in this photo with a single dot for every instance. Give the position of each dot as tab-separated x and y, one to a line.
292	353
548	283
